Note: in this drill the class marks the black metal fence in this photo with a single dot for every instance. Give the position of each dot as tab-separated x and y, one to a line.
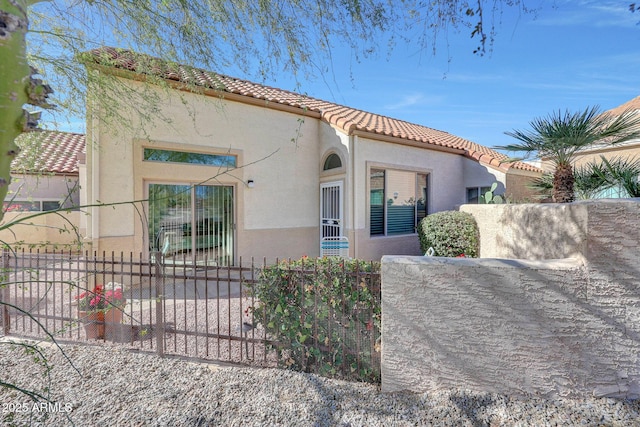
177	307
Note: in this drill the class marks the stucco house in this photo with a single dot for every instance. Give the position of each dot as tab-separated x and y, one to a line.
246	170
629	150
45	177
45	173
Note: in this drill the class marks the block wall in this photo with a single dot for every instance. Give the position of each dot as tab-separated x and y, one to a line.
568	326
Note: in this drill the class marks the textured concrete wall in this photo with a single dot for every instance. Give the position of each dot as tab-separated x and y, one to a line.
564	327
531	231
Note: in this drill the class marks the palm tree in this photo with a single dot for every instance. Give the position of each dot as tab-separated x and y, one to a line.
559	137
618	173
594	179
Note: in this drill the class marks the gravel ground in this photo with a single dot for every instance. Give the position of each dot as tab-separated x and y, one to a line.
119	387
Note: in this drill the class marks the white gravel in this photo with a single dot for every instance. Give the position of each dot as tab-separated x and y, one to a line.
120	387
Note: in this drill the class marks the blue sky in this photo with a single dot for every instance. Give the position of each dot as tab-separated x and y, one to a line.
569	55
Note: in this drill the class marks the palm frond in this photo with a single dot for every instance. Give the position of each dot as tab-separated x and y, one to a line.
595	177
560	136
624	172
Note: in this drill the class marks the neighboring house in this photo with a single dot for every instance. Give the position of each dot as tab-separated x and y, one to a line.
45	177
45	173
246	170
628	150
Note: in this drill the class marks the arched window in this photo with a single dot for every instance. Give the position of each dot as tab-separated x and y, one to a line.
332	162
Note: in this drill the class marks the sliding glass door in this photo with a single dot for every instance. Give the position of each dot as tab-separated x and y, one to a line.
194	223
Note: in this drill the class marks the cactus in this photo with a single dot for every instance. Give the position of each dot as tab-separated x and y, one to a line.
17	85
489	198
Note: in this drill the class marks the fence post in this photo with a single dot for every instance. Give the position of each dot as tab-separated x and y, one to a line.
159	285
4	293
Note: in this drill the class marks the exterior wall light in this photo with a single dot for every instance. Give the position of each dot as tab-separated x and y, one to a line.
250	183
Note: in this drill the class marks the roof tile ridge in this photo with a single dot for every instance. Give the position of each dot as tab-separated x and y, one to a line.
346	117
283	91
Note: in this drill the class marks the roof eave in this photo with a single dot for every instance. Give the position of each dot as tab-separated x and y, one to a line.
213	93
405	141
44	173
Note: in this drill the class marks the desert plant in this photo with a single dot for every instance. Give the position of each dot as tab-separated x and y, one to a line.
490	198
619	173
559	138
450	234
593	179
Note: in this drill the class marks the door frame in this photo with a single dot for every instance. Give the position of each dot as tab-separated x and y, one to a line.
340	187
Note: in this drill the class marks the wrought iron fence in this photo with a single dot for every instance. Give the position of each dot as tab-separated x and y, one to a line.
178	307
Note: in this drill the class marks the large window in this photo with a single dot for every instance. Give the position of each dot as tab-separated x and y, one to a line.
398	201
156	155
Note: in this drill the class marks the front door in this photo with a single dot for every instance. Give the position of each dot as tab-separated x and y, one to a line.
331	221
193	223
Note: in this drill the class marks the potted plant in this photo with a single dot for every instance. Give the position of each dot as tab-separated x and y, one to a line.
99	308
115	303
91	307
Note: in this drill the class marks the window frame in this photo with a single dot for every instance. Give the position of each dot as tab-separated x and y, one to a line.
481	189
334	171
228	161
38	204
385	219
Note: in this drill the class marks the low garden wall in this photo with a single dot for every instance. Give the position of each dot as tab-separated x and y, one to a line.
563	322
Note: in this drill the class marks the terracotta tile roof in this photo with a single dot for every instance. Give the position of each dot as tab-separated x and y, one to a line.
49	152
348	119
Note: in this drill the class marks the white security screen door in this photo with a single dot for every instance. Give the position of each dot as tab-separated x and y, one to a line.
194	223
331	221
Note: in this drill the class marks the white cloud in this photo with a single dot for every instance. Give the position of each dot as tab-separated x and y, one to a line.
409	101
414	100
594	13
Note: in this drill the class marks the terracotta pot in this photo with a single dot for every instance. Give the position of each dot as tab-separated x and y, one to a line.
113	315
93	324
114	329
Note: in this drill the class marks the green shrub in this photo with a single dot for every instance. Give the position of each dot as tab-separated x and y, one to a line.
323	315
450	234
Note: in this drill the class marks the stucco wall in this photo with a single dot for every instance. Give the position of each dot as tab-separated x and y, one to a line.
531	231
281	151
564	327
277	150
518	190
44	232
47	231
25	187
446	190
629	150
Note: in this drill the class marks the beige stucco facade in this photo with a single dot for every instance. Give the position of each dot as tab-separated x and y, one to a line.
33	194
630	150
44	187
281	150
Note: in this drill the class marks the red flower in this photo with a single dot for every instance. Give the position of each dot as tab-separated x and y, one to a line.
82	295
